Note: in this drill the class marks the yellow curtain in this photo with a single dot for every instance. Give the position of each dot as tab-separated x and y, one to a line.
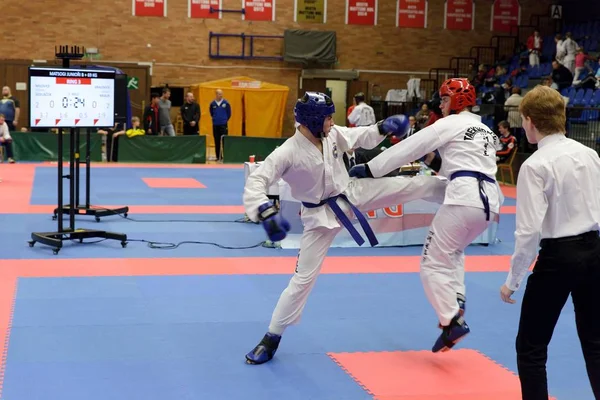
206	94
265	110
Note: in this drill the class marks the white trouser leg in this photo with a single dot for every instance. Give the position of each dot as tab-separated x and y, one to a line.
534	59
442	264
371	194
313	249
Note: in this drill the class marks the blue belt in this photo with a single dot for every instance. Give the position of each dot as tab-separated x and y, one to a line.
480	177
346	221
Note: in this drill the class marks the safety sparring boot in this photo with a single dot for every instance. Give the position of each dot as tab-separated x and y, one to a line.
462	306
265	350
451	334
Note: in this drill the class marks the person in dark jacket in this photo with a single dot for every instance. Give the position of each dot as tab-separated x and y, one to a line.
220	112
190	113
151	121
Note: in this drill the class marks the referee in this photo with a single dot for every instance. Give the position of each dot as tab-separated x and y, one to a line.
558	201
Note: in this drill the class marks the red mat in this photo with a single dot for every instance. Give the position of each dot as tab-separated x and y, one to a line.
462	374
174	183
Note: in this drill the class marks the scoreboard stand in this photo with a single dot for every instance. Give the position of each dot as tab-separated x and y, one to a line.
87	209
56	239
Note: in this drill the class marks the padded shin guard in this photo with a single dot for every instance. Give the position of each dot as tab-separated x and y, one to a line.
265	350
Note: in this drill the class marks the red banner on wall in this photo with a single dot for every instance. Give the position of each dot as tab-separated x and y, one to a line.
201	9
361	12
258	10
505	14
459	15
149	8
411	13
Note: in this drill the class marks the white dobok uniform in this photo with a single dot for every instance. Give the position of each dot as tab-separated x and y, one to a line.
313	178
464	144
362	115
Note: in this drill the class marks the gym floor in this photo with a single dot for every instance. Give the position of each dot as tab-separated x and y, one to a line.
98	321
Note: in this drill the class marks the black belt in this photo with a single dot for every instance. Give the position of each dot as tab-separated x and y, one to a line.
581	237
480	178
346	221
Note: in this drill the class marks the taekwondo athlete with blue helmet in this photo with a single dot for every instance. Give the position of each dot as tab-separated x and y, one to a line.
311	163
473	198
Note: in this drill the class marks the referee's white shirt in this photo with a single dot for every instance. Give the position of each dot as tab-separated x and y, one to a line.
558	195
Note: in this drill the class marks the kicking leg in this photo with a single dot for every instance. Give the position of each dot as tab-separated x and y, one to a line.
313	249
371	194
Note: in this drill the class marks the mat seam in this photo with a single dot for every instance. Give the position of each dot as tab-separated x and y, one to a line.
354	378
7	336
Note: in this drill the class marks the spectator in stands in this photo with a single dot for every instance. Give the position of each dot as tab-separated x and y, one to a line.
560	53
164	113
220	112
534	46
190	113
423	116
514	117
561	76
362	114
6	139
151	118
508	143
546	82
570	52
582	64
10	107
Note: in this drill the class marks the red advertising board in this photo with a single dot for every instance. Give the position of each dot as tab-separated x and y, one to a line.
361	12
259	10
201	9
505	14
411	13
459	15
149	8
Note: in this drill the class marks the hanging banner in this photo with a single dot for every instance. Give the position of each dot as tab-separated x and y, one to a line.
411	13
310	11
361	12
149	8
505	14
258	10
459	15
201	9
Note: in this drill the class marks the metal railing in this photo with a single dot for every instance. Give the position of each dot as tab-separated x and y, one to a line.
583	123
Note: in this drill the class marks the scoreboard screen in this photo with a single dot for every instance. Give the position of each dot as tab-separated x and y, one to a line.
72	98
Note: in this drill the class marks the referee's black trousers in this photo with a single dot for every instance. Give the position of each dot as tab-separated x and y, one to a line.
564	266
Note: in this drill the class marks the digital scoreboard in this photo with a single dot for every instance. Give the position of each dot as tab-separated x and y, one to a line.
71	98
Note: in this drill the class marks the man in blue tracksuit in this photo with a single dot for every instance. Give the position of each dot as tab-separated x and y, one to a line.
220	112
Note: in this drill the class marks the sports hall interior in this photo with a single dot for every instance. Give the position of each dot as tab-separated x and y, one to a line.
170	311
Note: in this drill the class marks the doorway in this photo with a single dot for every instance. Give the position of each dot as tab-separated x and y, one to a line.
338	92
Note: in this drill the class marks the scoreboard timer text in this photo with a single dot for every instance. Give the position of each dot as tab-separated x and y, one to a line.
71	98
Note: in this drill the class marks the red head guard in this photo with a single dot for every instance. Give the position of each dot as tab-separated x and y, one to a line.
462	93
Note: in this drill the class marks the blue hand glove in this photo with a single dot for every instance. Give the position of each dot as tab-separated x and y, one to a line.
360	171
275	226
396	125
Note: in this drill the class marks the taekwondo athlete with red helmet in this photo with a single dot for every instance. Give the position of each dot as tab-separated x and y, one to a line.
311	163
473	198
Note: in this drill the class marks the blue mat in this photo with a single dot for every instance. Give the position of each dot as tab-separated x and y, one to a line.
185	337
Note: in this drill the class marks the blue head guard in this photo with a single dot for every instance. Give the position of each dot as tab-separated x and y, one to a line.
312	110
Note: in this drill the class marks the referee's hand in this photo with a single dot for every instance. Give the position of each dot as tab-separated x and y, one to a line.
505	294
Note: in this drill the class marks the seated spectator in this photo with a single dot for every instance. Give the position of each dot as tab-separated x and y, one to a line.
422	116
508	143
561	76
6	139
134	131
582	65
